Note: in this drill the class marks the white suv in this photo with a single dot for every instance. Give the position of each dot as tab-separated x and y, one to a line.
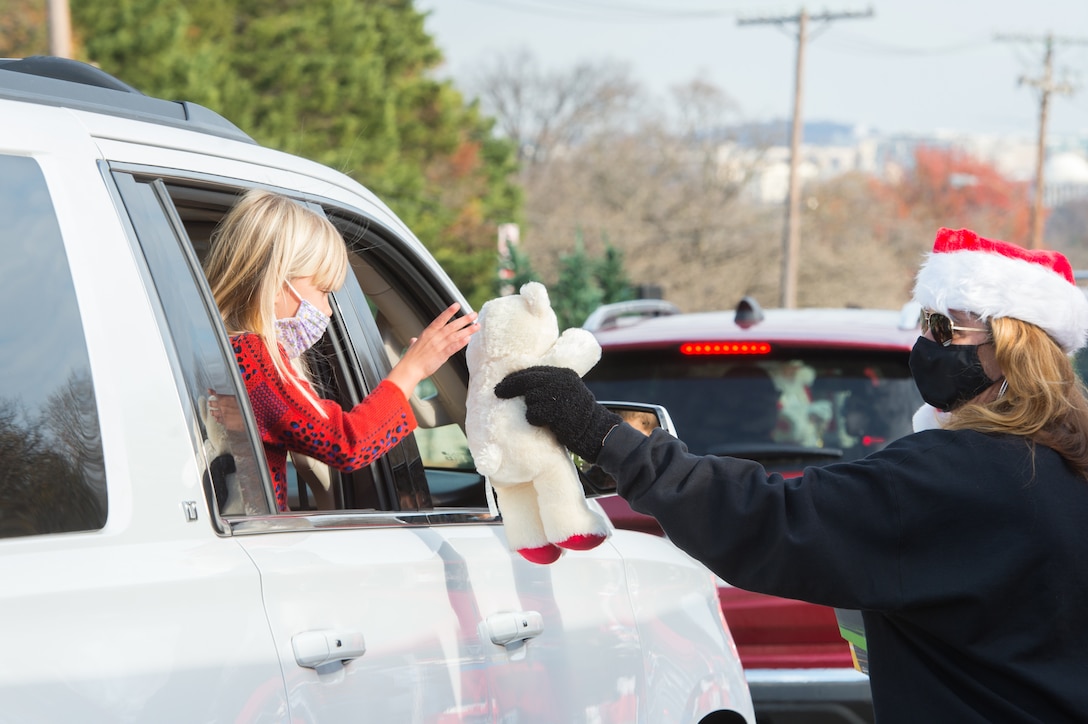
133	592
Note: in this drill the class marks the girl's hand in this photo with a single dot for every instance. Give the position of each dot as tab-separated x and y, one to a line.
426	353
224	409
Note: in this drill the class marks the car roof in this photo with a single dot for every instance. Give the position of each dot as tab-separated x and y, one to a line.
823	328
79	86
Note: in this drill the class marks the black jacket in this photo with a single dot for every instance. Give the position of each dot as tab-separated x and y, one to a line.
967	555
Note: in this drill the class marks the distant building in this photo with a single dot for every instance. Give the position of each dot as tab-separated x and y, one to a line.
1065	178
830	150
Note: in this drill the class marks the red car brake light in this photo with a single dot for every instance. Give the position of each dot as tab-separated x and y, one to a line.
725	348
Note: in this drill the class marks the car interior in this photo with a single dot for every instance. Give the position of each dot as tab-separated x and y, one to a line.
438	402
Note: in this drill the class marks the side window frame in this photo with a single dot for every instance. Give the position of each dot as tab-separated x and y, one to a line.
357	373
400	480
418	292
134	192
53	477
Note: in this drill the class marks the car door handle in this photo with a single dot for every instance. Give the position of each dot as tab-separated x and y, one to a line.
514	627
315	648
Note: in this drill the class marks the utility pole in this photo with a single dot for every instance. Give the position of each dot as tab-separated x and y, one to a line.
791	241
1046	86
60	28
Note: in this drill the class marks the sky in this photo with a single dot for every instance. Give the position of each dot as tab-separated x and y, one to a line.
914	66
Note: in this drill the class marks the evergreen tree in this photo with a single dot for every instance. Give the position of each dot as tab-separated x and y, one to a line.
611	276
343	82
518	267
576	293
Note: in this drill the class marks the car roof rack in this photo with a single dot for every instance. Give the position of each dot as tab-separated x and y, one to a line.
608	316
72	84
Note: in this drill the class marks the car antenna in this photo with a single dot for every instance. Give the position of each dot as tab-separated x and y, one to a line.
749	313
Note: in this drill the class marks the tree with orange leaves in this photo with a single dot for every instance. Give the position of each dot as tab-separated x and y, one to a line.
951	188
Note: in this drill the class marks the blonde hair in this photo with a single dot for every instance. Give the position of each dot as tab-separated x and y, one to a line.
1045	400
264	241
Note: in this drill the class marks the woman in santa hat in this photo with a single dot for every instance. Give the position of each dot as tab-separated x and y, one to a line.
963	545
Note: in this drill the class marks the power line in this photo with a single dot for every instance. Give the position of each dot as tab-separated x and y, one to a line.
861	45
610	11
1046	85
791	242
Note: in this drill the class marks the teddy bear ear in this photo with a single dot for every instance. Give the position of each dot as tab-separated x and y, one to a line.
535	295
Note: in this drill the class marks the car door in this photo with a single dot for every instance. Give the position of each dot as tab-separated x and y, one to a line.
372	591
455	626
586	657
402	599
119	603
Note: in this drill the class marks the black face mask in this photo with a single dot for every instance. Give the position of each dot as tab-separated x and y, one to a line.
947	376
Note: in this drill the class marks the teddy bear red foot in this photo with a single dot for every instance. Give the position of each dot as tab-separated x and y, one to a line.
544	554
582	542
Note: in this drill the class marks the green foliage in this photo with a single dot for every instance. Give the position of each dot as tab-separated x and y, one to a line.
519	268
474	273
343	82
576	293
612	277
24	28
585	283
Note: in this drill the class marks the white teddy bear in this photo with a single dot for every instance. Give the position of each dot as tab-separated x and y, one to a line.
543	507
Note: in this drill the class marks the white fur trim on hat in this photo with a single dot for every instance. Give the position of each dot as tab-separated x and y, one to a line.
997	279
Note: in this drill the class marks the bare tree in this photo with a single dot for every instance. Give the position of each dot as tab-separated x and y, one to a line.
23	28
545	110
661	180
1067	231
856	252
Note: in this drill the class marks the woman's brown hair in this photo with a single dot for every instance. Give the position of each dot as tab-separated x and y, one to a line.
1045	400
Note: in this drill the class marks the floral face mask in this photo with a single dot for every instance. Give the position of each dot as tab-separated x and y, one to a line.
300	332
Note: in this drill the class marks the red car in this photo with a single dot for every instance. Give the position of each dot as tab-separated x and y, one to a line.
789	389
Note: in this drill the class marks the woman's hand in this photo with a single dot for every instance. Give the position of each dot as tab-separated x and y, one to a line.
426	353
558	399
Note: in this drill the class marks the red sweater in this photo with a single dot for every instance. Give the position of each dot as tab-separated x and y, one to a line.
288	421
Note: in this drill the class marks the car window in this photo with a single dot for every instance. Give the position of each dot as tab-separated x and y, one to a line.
311	484
799	406
53	477
234	477
398	295
369	331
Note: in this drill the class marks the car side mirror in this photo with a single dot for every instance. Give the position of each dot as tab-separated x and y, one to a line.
641	416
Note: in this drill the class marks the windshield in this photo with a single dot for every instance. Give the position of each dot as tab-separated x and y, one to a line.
795	408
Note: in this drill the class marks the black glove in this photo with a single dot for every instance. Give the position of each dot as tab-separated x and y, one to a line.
556	398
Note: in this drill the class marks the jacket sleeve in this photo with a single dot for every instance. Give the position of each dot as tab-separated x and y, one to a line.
346	440
832	535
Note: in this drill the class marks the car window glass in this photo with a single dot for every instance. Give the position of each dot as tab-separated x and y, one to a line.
311	484
398	300
233	468
53	477
368	334
828	407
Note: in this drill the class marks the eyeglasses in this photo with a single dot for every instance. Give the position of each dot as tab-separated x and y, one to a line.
942	328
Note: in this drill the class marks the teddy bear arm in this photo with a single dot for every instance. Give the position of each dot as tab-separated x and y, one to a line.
576	348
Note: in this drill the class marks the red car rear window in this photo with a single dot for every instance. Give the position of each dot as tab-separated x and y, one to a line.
784	408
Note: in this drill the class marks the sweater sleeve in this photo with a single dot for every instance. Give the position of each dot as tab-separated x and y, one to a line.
830	536
346	440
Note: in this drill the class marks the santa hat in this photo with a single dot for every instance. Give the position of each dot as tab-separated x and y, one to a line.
997	279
